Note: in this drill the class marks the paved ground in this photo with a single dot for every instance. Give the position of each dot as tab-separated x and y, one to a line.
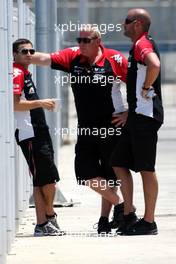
82	245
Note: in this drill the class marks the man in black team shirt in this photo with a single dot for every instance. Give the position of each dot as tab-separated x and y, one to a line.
93	69
136	149
32	134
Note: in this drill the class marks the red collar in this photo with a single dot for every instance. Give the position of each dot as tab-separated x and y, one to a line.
143	34
19	66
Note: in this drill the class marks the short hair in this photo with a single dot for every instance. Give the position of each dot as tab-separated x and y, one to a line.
91	28
19	42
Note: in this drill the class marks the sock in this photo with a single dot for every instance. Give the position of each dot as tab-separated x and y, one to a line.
103	218
41	225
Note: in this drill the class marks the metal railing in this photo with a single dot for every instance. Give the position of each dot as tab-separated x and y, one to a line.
7	175
23	27
14	186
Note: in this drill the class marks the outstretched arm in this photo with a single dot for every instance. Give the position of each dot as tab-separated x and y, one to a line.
40	58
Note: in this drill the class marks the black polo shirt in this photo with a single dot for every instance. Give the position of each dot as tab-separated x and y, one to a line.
93	85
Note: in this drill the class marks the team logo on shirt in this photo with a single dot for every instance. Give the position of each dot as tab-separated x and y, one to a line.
117	58
129	61
29	86
99	70
78	69
31	91
74	48
16	72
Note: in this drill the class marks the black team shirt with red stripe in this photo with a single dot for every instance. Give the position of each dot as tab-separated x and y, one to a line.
92	84
135	80
30	122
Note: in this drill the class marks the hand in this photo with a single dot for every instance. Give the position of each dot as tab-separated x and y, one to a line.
120	119
48	104
148	94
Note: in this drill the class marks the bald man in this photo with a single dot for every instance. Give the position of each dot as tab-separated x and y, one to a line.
137	147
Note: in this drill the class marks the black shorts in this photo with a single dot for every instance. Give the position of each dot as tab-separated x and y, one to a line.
39	154
93	157
136	149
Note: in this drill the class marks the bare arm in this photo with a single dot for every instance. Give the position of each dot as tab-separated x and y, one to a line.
25	105
153	69
42	59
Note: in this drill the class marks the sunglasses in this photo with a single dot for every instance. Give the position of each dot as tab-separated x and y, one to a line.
26	51
129	21
85	40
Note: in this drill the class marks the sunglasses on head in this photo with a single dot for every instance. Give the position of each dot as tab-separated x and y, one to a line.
85	40
129	21
25	51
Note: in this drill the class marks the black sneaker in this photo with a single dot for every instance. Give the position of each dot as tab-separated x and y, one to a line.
142	227
103	226
117	218
128	221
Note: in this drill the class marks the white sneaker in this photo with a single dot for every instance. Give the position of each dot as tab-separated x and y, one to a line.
53	220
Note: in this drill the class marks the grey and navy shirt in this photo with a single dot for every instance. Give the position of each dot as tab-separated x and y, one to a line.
136	77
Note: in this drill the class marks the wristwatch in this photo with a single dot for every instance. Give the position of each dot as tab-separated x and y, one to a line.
147	88
150	92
